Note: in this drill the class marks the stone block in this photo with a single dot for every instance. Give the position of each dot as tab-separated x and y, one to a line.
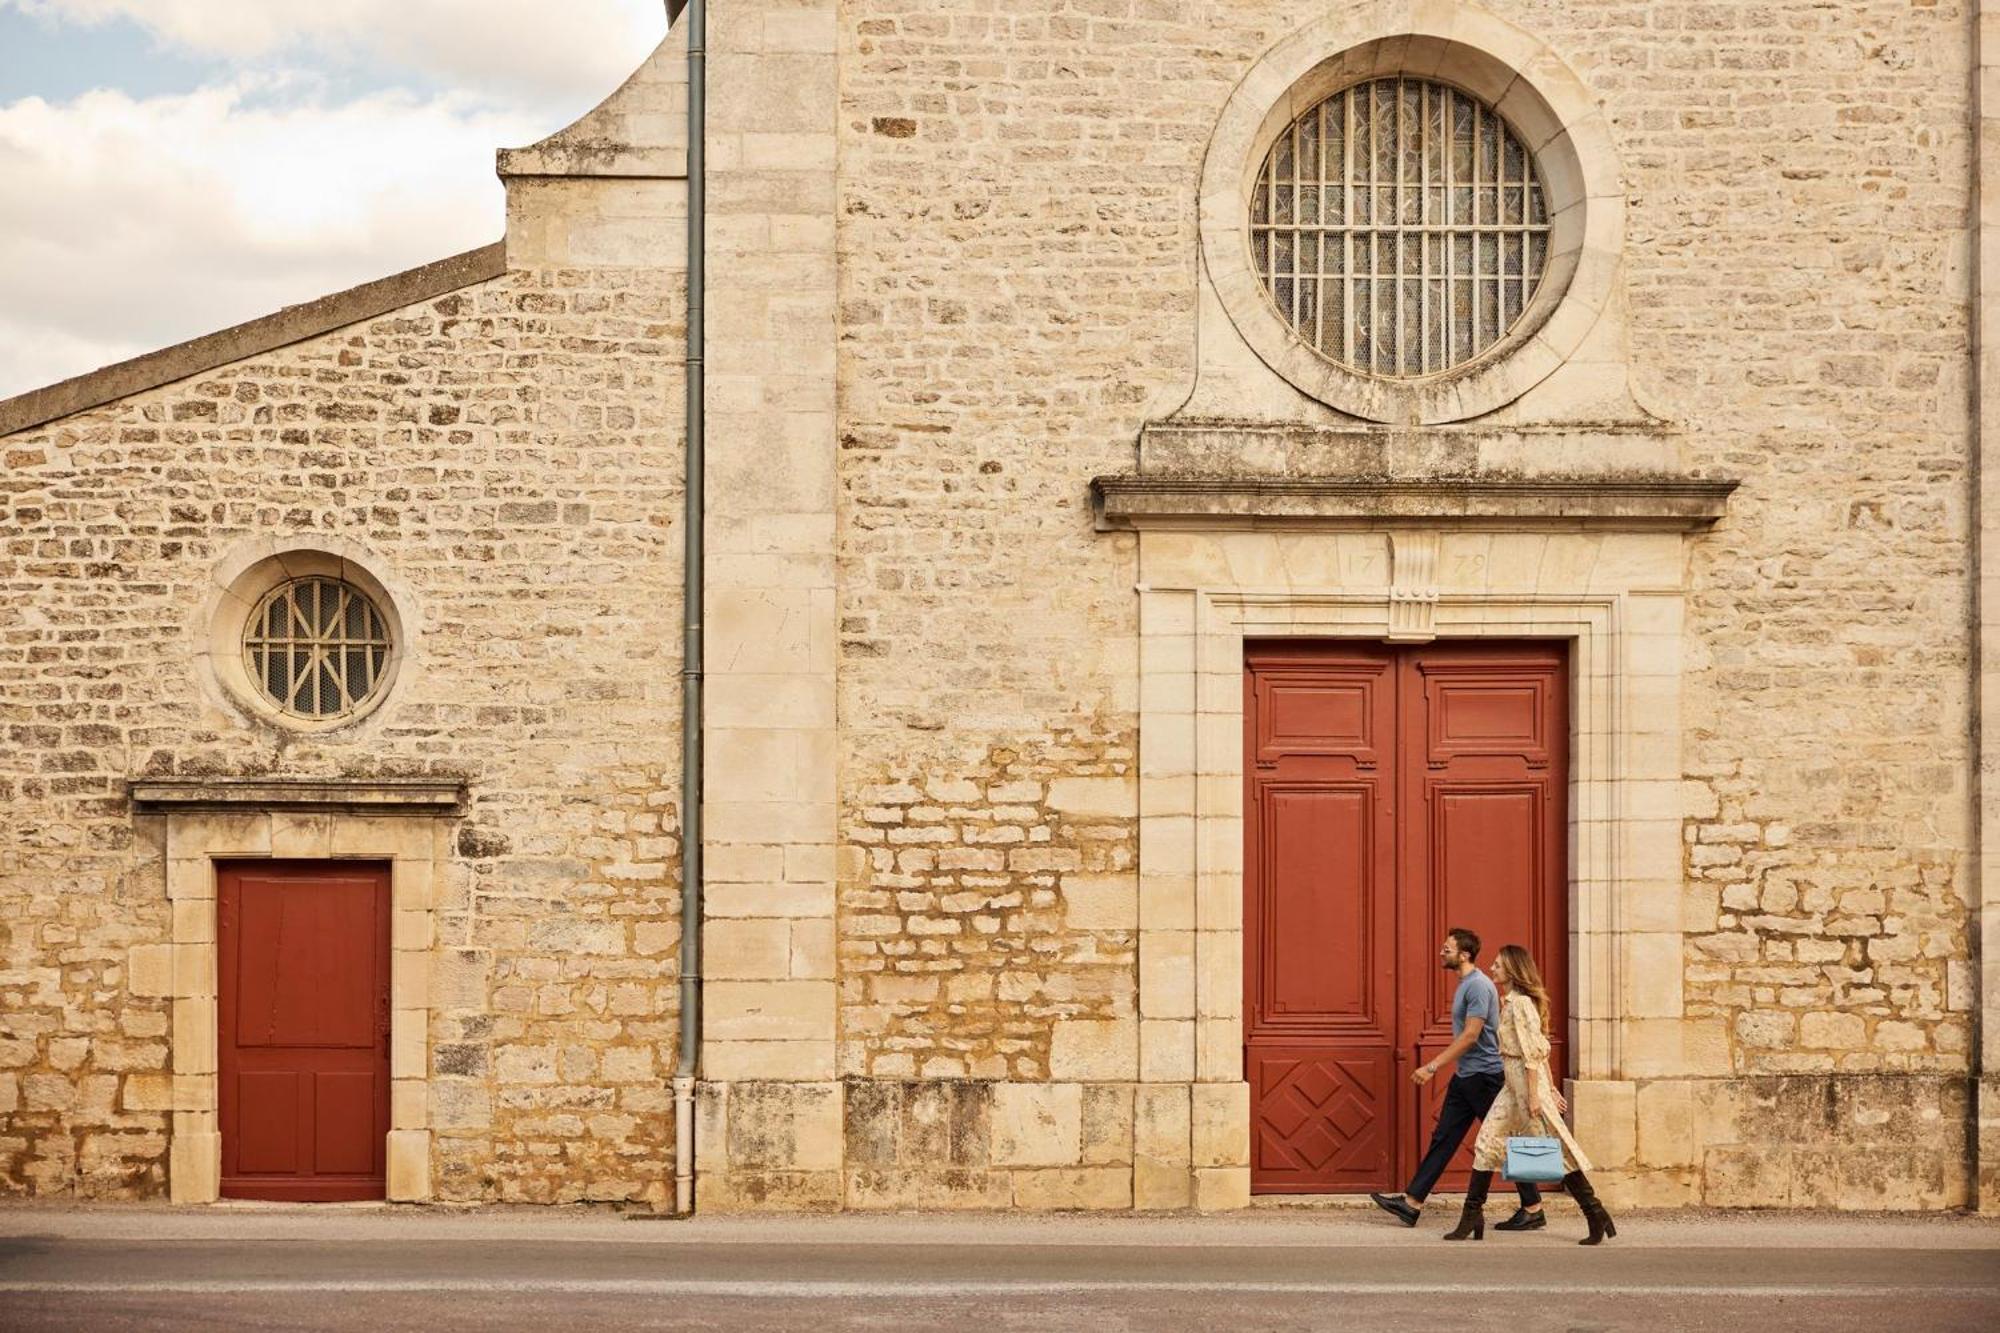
191	879
409	979
413	931
1101	902
785	1127
1166	1050
409	1043
301	836
809	1061
877	1189
409	1165
409	1104
1074	1189
767	1191
1161	1186
1747	1177
147	1092
1604	1114
1037	1124
1221	1188
1836	1031
1099	797
1107	1124
1095	1049
872	1126
194	921
194	1036
413	885
1664	1115
1220	1128
768	1010
739	949
149	970
1166	973
962	1189
194	1163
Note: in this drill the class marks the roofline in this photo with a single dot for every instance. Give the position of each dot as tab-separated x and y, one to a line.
295	323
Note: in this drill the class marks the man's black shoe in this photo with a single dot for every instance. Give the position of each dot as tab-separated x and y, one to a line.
1523	1220
1390	1203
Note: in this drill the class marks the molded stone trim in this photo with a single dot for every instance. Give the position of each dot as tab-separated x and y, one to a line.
1133	503
381	796
293	324
1616	597
220	820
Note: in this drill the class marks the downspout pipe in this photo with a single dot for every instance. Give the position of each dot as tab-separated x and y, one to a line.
687	1065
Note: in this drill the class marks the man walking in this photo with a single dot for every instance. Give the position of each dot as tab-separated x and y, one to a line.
1475	1045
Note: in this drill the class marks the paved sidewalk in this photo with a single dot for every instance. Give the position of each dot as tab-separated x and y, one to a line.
372	1267
1337	1227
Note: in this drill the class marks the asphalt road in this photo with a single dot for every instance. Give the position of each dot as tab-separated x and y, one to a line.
56	1281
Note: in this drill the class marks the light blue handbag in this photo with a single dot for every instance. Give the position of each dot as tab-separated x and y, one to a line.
1533	1161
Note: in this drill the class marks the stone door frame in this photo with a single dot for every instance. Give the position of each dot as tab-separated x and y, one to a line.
406	825
1623	620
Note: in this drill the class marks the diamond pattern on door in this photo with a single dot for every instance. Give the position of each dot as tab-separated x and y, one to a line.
1319	1120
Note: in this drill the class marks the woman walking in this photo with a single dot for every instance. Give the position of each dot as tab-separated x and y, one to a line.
1528	1103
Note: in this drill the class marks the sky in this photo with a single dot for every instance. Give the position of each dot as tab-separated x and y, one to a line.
172	167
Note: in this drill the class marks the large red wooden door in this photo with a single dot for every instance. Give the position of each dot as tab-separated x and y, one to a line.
1391	794
303	987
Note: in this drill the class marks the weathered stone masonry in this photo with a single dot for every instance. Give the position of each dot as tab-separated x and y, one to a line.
972	937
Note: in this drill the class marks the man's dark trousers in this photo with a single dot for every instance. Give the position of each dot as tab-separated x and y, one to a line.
1469	1098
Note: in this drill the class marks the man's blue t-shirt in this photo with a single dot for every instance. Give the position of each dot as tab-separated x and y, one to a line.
1477	997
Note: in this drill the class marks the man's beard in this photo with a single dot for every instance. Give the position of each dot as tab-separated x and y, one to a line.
1448	964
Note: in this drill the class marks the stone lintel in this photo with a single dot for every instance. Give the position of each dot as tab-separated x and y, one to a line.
212	351
1133	503
374	796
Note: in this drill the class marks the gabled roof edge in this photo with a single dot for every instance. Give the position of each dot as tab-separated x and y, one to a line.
295	323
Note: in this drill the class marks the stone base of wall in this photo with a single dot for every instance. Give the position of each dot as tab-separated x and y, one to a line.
1988	1131
965	1144
1858	1141
1862	1142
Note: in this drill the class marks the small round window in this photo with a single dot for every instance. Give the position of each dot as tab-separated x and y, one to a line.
1400	228
316	648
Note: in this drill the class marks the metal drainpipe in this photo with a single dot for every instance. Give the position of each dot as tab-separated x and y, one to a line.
687	1065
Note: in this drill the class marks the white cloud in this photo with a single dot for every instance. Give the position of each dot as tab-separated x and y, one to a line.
128	224
516	48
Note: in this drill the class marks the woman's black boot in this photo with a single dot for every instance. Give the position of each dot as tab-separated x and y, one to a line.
1472	1221
1600	1221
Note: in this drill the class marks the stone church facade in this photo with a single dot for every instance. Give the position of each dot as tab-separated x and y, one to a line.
1135	446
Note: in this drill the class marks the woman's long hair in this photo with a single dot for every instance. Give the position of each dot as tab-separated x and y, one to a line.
1526	979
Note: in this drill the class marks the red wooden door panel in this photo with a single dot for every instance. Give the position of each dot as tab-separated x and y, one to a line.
1485	747
1390	795
303	990
1320	1026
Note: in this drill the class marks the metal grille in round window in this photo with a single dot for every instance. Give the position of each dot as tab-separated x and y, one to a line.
316	647
1400	227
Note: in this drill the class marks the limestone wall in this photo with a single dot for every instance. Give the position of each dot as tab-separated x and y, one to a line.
954	252
510	453
1018	291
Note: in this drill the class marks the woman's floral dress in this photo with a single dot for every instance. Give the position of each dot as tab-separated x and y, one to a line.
1524	1054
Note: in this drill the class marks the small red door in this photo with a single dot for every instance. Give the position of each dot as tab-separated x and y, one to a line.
1391	794
303	949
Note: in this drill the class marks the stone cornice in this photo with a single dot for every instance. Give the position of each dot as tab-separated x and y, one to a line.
212	351
362	796
1616	503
